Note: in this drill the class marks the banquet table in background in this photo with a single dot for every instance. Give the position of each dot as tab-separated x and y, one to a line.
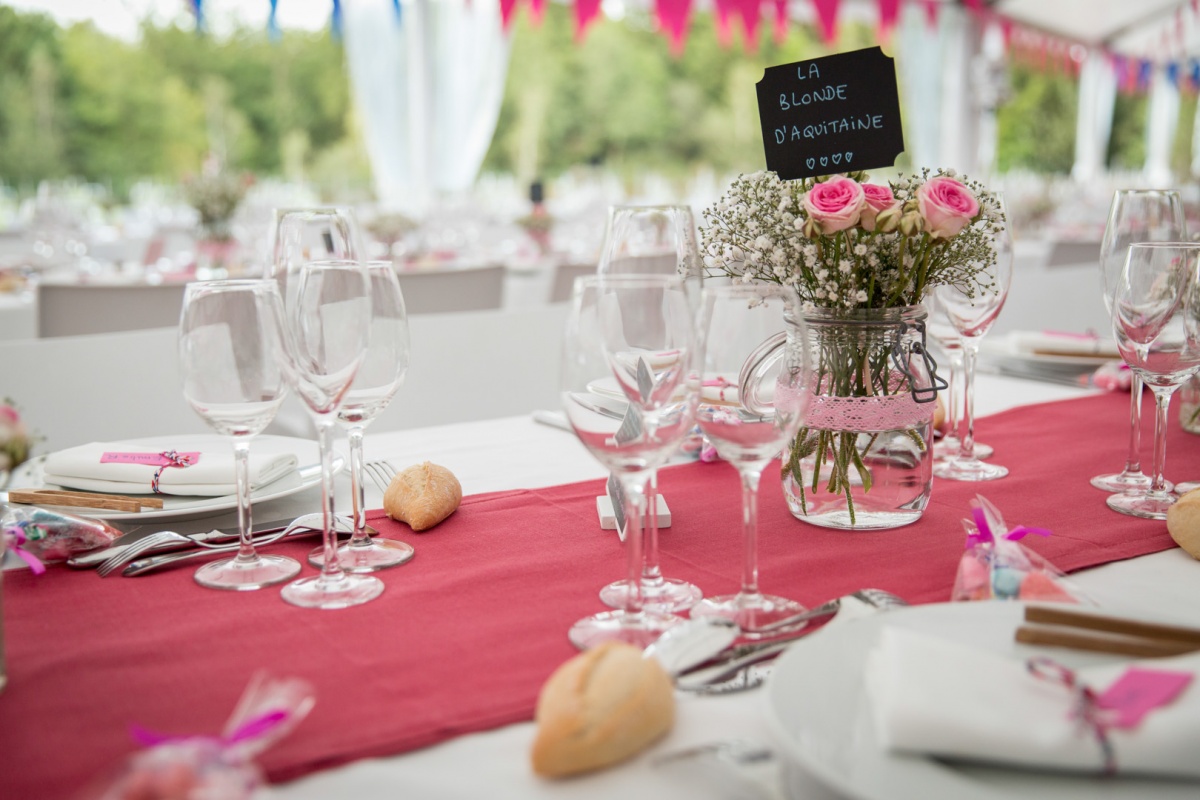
443	670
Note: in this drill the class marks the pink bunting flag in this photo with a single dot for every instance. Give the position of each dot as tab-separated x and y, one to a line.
889	13
586	12
721	21
507	7
750	13
931	12
673	17
782	21
538	9
827	14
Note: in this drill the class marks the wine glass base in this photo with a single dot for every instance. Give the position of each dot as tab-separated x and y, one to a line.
1146	506
321	592
233	575
1133	482
748	612
974	470
669	596
378	554
638	630
945	450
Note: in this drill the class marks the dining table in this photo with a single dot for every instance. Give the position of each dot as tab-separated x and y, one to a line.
430	690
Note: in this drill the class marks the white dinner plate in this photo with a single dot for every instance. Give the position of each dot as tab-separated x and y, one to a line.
819	708
306	475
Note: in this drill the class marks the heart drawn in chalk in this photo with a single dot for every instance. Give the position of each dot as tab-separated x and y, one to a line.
836	158
811	162
848	157
824	161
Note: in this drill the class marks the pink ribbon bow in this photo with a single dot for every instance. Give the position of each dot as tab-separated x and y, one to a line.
1087	709
983	529
253	729
16	539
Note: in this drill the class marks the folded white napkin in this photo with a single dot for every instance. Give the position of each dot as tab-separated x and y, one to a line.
936	697
1063	343
211	475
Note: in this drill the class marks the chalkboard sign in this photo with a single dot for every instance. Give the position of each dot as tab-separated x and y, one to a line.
832	114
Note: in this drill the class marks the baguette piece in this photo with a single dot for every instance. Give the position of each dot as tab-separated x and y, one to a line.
601	707
422	495
1183	522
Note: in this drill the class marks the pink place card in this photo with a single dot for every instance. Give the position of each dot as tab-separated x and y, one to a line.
1139	691
149	459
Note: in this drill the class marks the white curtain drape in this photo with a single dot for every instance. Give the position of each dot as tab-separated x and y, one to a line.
428	87
1160	129
919	66
1094	118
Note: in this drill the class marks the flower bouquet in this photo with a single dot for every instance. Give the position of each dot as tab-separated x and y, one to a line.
861	256
216	195
15	441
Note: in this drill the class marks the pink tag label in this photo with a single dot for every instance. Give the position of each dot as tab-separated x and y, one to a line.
1139	691
149	459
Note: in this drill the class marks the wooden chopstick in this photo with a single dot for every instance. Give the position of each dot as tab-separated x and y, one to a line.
1080	630
108	502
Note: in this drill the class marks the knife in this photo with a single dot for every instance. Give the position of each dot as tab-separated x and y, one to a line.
143	565
89	560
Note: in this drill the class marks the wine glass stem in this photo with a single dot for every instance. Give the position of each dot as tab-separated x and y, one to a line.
241	461
966	449
635	507
1162	400
750	477
651	571
953	379
357	493
331	568
1133	463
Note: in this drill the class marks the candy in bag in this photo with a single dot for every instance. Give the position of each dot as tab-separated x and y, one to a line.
54	535
204	767
996	565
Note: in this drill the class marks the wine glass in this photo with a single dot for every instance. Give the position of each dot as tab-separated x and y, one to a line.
374	386
1156	320
949	366
629	392
233	364
749	416
1136	215
972	315
301	235
646	240
328	321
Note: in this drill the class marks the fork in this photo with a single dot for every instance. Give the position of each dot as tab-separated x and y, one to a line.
380	473
155	541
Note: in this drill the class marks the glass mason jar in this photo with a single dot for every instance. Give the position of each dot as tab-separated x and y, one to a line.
1189	405
862	459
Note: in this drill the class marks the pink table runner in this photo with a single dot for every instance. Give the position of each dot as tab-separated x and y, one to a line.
464	636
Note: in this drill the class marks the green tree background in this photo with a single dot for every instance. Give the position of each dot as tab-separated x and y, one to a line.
75	102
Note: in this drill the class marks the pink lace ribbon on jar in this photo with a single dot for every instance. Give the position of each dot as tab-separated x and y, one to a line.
174	459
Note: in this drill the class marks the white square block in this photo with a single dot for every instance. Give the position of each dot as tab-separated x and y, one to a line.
608	520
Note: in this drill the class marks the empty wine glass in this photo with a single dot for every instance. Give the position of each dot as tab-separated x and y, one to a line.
950	367
232	359
628	391
648	240
972	313
1156	320
375	384
328	321
302	235
1136	215
749	416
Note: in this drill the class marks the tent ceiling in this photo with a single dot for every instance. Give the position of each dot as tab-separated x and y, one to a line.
1126	25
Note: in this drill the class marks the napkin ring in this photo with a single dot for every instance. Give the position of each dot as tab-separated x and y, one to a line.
1086	709
173	459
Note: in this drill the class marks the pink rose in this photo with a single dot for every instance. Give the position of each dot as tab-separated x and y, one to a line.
947	207
835	204
878	198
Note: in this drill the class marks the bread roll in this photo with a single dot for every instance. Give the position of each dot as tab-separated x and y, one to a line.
599	708
1183	522
422	495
